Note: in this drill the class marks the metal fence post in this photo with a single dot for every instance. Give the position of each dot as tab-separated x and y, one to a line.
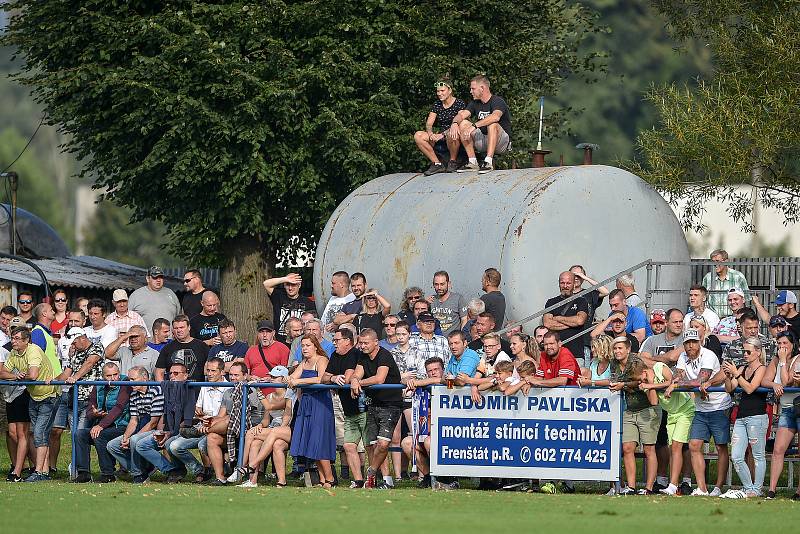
73	430
648	294
242	425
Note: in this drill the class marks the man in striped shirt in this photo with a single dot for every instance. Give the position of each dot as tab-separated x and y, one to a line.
146	406
122	318
428	344
720	282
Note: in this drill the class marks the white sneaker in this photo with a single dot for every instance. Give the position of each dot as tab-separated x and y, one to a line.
611	492
627	490
699	493
734	494
716	492
672	489
235	477
247	484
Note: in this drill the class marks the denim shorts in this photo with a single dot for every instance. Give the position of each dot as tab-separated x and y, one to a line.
42	414
708	424
63	416
381	422
789	420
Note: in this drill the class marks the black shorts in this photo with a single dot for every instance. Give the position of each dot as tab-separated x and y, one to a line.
404	430
662	440
17	410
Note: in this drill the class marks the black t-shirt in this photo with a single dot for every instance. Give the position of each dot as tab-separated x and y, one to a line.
594	299
495	303
794	325
338	365
205	327
191	304
570	309
445	116
480	110
283	307
382	397
192	354
712	343
369	320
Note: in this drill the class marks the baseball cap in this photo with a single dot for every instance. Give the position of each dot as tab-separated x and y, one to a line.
691	334
778	320
279	370
620	339
658	316
76	331
426	317
154	271
736	291
16	322
786	297
265	325
118	295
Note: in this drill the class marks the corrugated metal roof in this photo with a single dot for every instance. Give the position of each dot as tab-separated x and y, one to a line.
81	271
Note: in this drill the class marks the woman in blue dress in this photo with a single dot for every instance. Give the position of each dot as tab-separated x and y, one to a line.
314	433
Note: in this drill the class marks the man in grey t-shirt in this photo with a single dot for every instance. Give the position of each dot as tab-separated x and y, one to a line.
448	307
136	354
154	301
665	347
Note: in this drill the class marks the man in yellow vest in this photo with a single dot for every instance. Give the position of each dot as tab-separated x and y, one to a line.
42	337
28	362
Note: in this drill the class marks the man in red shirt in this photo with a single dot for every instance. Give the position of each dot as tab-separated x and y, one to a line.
557	365
266	354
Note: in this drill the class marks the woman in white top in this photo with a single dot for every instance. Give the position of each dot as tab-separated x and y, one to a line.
783	371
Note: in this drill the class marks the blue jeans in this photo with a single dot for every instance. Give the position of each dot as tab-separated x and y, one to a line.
128	458
82	440
753	431
64	412
179	448
42	414
150	451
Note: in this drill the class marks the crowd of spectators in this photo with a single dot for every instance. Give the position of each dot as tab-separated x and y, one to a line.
380	434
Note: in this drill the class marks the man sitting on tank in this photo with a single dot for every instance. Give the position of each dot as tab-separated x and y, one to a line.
484	126
433	144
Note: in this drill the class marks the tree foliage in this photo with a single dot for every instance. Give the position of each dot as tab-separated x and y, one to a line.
228	120
134	244
740	127
611	111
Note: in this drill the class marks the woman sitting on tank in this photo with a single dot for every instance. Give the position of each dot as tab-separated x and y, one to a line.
435	145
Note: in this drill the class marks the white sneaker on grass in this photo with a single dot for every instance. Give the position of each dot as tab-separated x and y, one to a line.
672	489
716	492
734	494
247	484
699	493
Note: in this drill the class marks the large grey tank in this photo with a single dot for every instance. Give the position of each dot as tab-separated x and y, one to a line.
531	224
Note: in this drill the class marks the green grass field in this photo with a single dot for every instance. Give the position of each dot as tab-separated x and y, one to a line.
156	507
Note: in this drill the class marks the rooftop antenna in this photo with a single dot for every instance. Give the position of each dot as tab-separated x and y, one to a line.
540	153
541	114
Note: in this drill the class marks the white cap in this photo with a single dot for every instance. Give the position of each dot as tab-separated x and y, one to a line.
118	295
76	331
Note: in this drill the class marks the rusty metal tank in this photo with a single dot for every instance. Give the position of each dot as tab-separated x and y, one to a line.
531	224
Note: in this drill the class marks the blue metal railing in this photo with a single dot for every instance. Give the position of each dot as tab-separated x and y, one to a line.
247	385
